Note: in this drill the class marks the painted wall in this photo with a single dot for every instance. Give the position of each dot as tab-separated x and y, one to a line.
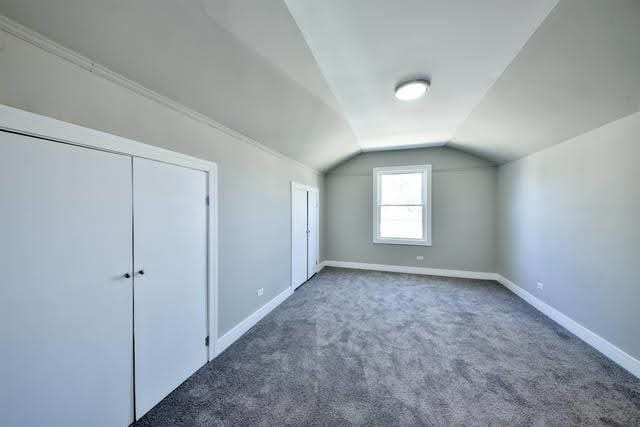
570	218
176	49
463	212
254	187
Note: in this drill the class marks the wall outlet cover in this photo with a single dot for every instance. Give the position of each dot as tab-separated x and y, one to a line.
540	286
260	292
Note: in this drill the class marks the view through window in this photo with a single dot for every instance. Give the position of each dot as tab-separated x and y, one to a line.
401	204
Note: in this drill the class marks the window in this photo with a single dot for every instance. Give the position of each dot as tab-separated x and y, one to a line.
402	205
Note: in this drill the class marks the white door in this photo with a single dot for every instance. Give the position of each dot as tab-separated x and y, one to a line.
298	235
65	306
312	232
170	277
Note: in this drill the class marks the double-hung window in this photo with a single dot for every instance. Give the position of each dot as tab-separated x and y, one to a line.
402	205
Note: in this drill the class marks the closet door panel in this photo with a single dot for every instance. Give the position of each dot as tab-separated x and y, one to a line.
170	298
298	236
65	307
312	226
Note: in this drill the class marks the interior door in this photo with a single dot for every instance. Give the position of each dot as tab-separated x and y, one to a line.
65	306
312	232
170	277
298	235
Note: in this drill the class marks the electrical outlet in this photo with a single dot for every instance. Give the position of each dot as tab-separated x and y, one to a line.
540	286
419	257
260	292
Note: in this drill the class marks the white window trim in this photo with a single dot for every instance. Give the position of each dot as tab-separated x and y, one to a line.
426	203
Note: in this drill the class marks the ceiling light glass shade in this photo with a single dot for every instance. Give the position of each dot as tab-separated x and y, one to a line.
414	89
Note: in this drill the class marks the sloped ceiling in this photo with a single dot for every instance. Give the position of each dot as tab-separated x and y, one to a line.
366	47
519	76
579	71
190	51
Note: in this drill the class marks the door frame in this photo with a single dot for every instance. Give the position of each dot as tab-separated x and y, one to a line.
297	185
35	125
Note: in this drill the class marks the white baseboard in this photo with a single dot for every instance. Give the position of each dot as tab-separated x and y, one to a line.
623	359
411	270
322	265
230	337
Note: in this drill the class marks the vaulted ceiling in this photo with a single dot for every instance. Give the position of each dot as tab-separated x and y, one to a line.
365	47
314	79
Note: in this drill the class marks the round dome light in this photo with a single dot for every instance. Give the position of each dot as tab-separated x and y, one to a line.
413	89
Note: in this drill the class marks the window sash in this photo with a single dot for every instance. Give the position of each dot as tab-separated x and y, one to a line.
425	171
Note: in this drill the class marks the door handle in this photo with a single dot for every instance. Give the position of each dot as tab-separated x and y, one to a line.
126	275
140	272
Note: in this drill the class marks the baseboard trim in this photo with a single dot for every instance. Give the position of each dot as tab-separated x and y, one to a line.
614	353
241	328
411	270
322	265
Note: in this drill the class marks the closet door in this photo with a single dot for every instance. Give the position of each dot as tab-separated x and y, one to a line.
65	306
312	232
170	277
298	235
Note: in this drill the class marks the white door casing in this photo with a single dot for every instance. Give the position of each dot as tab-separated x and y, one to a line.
170	277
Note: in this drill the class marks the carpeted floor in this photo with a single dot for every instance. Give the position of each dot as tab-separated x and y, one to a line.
362	347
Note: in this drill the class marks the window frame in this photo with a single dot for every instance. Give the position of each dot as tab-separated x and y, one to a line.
425	170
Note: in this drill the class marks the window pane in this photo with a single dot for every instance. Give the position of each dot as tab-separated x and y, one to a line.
401	189
401	222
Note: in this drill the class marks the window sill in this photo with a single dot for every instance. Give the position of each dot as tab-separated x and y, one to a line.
409	242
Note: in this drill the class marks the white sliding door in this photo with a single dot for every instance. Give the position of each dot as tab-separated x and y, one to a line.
65	306
170	277
298	235
313	205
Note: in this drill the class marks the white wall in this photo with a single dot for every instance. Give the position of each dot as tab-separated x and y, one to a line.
254	184
569	217
463	212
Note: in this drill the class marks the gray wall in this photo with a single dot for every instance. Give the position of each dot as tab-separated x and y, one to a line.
174	48
254	187
463	215
570	218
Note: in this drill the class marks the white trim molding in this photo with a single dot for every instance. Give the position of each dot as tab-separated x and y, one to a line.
241	328
30	36
322	265
411	270
614	353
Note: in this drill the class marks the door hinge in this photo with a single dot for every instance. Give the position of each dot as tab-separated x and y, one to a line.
206	199
206	341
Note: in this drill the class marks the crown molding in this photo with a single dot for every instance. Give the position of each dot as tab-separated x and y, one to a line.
30	36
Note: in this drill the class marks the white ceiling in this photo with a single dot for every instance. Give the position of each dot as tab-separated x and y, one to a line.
508	77
365	47
580	70
266	26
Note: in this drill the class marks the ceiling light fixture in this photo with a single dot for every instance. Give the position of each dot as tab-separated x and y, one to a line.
412	89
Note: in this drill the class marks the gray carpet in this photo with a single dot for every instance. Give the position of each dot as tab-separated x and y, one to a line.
362	347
